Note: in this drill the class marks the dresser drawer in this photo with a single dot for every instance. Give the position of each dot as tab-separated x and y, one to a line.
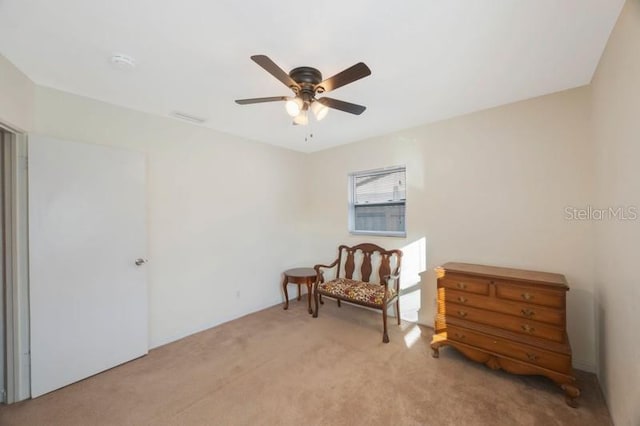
551	360
464	283
505	322
522	310
530	295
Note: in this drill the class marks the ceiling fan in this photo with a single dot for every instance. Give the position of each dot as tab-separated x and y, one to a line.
306	83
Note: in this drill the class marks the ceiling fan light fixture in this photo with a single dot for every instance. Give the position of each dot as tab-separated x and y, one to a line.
293	106
301	119
319	110
306	83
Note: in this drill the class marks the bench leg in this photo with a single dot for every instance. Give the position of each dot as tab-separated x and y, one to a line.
398	310
385	336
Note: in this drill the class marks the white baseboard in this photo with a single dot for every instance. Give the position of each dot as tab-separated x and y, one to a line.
584	366
208	325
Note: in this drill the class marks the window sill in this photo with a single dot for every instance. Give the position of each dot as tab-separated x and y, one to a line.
380	233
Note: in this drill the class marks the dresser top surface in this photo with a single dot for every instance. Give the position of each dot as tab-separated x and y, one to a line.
547	278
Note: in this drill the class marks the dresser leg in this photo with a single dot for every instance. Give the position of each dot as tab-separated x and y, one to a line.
435	351
570	394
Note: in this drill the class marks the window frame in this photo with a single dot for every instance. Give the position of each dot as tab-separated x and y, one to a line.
352	206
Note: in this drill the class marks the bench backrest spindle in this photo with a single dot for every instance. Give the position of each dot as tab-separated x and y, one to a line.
375	263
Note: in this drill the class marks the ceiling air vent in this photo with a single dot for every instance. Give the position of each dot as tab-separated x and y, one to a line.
122	61
188	117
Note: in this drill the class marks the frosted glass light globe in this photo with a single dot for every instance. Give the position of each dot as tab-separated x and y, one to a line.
301	119
293	106
319	110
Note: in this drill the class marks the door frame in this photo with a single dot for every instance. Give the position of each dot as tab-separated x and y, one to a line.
15	309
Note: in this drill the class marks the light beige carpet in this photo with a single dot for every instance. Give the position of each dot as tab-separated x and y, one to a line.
279	367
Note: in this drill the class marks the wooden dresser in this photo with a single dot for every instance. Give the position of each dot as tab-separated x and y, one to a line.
506	318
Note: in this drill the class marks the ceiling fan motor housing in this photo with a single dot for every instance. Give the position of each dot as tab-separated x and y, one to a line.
308	78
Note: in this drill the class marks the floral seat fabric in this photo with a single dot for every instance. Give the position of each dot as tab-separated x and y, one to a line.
357	291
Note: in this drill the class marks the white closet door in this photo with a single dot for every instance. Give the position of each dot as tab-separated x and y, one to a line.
87	227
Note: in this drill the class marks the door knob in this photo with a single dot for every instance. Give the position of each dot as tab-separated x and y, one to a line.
141	261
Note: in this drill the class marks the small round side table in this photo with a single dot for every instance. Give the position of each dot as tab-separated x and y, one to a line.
299	276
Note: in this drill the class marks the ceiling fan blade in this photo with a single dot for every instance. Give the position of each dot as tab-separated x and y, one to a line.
351	74
260	100
274	70
342	105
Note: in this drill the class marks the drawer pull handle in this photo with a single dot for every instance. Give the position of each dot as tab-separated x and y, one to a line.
460	336
462	314
462	286
532	357
527	313
527	296
527	328
462	299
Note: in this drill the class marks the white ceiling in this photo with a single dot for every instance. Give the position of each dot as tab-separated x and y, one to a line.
430	59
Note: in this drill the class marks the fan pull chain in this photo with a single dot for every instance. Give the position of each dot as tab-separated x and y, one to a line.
309	136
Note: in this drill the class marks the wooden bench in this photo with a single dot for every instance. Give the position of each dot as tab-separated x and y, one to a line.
375	283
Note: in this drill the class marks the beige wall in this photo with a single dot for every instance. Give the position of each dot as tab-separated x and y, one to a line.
616	118
222	226
16	97
490	187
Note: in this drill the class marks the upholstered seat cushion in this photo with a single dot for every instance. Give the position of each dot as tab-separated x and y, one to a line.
358	291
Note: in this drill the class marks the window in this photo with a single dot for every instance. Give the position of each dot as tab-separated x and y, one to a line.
377	202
